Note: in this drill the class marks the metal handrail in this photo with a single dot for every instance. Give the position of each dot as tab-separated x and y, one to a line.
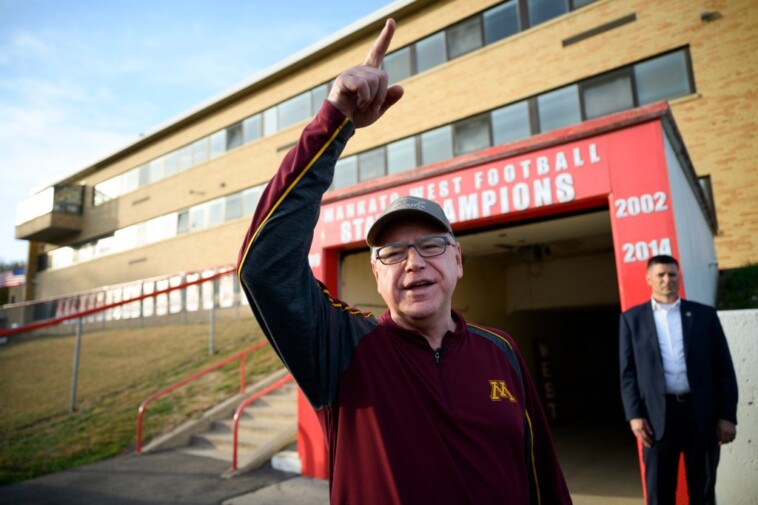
7	332
241	356
242	406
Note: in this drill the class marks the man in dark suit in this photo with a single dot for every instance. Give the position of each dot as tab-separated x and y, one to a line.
678	386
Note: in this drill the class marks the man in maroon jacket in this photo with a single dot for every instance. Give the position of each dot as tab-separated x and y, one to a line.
417	406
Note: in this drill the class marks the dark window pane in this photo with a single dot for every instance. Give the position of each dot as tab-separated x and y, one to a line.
501	22
545	10
234	136
294	110
371	164
345	172
182	222
511	123
472	135
398	65
251	128
662	78
464	37
559	108
582	3
401	155
437	145
607	95
430	52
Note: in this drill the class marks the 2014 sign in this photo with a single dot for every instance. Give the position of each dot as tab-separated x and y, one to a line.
643	204
643	251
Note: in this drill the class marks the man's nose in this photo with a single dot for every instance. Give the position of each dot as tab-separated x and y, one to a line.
414	259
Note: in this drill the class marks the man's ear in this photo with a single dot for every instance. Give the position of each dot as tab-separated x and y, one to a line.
459	259
374	270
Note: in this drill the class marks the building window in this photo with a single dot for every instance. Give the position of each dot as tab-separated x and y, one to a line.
233	136
371	164
501	22
559	108
401	156
216	212
218	143
233	206
182	222
144	175
607	94
430	52
398	65
184	158
662	78
437	145
157	167
294	110
172	163
464	37
472	134
251	128
106	191
545	10
318	95
345	172
269	121
200	150
510	123
129	181
198	217
250	199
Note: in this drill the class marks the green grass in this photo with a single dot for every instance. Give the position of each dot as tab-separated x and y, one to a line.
118	369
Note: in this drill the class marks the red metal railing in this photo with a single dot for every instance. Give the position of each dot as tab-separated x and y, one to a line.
241	356
238	413
7	332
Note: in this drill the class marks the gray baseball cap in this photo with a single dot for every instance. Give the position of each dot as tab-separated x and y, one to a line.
406	206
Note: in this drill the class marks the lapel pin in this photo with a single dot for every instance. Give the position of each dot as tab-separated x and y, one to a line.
688	314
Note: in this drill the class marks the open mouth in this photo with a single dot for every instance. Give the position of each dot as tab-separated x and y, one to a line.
419	285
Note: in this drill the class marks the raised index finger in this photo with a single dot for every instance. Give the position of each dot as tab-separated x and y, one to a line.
376	53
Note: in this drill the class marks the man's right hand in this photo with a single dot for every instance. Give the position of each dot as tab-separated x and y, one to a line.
641	429
361	92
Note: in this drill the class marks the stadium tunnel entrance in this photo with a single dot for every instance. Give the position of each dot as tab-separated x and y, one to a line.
551	284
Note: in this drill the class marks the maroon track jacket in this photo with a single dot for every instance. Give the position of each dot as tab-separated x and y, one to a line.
403	423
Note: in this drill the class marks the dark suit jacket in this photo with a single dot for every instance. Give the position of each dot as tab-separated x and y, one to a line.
710	371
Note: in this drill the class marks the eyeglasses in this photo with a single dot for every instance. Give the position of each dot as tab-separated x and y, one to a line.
427	247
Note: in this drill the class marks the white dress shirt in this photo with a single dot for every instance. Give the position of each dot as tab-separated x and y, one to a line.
668	324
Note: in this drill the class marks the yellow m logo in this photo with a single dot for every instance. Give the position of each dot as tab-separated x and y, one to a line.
499	391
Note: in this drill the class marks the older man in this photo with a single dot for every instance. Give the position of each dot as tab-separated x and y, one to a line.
418	405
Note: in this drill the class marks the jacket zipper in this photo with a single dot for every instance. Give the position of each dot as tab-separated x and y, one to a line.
437	357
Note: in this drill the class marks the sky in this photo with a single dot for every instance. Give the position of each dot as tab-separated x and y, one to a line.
80	79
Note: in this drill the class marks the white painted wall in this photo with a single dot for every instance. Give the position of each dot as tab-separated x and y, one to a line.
737	480
697	251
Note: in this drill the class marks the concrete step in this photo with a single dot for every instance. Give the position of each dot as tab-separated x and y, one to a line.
265	427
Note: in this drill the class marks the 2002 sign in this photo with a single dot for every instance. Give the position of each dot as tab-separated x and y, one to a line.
644	204
643	251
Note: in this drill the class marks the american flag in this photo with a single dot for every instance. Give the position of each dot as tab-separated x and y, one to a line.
12	278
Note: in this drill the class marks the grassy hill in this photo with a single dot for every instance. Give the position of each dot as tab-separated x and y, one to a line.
118	369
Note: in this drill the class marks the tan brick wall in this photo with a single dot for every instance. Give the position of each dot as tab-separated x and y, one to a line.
717	123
